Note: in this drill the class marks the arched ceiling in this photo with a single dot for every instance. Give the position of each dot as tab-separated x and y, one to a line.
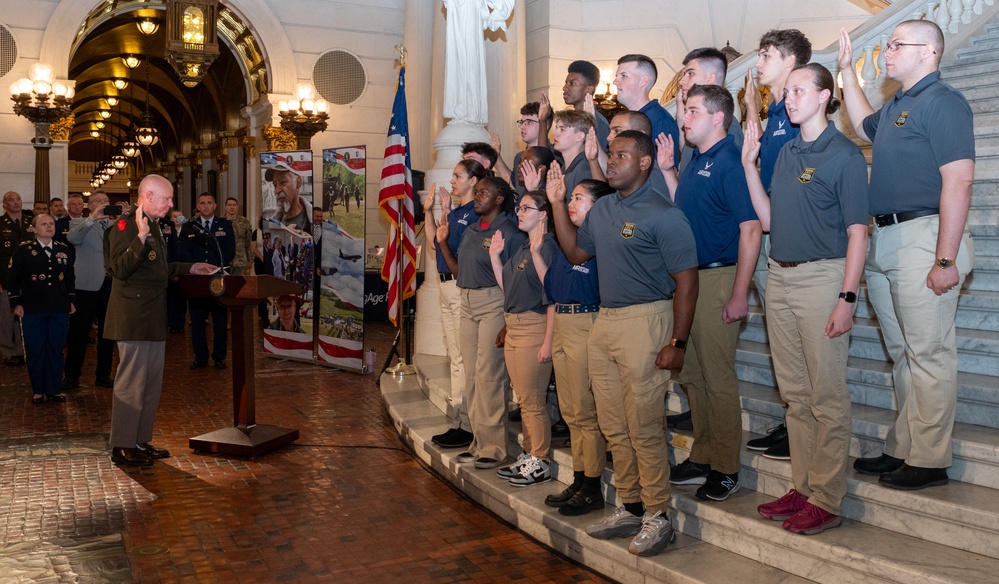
185	117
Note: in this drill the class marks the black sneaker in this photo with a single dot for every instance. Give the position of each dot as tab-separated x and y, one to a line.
774	436
689	473
779	451
718	486
455	438
581	504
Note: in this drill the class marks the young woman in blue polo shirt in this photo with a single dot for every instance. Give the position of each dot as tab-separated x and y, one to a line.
530	322
817	217
575	293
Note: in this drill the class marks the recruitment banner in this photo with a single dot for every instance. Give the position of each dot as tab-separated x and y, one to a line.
341	266
289	251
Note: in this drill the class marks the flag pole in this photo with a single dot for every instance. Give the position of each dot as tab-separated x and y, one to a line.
403	367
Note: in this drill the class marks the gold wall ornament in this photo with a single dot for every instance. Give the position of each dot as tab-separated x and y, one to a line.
279	138
249	145
61	128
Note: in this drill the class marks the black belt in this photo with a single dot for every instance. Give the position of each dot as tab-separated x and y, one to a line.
447	277
713	265
576	308
796	264
893	218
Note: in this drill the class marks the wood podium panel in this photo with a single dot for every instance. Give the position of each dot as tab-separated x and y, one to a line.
241	294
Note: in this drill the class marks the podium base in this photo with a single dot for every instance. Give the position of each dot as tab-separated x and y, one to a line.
248	441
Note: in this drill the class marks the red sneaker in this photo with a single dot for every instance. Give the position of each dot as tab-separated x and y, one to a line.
784	507
812	520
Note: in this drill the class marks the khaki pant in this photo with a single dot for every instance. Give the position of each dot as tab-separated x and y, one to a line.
811	375
485	372
919	333
760	274
630	395
575	398
709	377
450	318
525	333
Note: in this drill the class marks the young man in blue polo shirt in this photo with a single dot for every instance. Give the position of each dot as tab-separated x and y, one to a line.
780	52
715	199
636	74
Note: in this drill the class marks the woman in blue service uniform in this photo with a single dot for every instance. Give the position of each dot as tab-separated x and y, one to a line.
42	291
817	218
574	290
530	320
482	318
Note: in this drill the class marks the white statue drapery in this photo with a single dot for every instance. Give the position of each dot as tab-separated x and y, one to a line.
464	58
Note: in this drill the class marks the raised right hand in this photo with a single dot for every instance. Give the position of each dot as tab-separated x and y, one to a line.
555	185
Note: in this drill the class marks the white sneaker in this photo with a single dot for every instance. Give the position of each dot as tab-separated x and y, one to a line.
534	472
508	472
620	524
655	535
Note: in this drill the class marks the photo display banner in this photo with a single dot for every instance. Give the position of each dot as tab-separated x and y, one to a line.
289	251
341	283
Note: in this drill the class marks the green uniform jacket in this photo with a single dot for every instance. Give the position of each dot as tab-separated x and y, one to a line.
137	310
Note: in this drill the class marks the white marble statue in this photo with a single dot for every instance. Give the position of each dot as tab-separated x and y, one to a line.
464	59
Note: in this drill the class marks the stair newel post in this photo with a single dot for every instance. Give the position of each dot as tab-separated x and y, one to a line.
867	71
956	9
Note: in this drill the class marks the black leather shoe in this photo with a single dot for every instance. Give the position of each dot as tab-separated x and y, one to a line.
198	365
561	498
455	438
56	397
220	364
151	451
877	465
130	457
104	382
913	478
581	504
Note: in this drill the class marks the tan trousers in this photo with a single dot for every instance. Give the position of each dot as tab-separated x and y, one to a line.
485	372
450	301
708	375
525	333
630	395
575	398
811	375
919	333
137	387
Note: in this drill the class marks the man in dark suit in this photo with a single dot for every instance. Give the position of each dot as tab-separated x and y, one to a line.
135	258
74	211
208	239
14	225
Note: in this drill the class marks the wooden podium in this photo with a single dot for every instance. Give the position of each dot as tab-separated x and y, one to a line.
241	294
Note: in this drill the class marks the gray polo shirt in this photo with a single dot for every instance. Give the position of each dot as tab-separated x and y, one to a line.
915	134
576	172
818	190
522	290
475	269
638	242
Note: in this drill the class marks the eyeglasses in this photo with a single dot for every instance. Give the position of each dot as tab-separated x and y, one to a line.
524	208
892	47
526	122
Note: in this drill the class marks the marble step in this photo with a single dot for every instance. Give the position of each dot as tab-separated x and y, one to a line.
983	46
975	89
856	552
986	274
978	350
870	384
986	239
969	66
688	561
975	448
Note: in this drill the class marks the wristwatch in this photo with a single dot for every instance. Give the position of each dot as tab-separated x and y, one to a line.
945	262
675	342
850	297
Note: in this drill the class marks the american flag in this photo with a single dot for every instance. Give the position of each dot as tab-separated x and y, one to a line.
395	199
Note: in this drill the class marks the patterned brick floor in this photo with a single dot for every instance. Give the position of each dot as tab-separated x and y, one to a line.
347	503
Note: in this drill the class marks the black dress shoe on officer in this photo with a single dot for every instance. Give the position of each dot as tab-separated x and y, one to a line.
151	451
130	457
877	465
913	478
198	365
104	382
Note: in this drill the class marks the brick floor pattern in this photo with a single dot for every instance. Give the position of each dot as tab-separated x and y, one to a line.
347	503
